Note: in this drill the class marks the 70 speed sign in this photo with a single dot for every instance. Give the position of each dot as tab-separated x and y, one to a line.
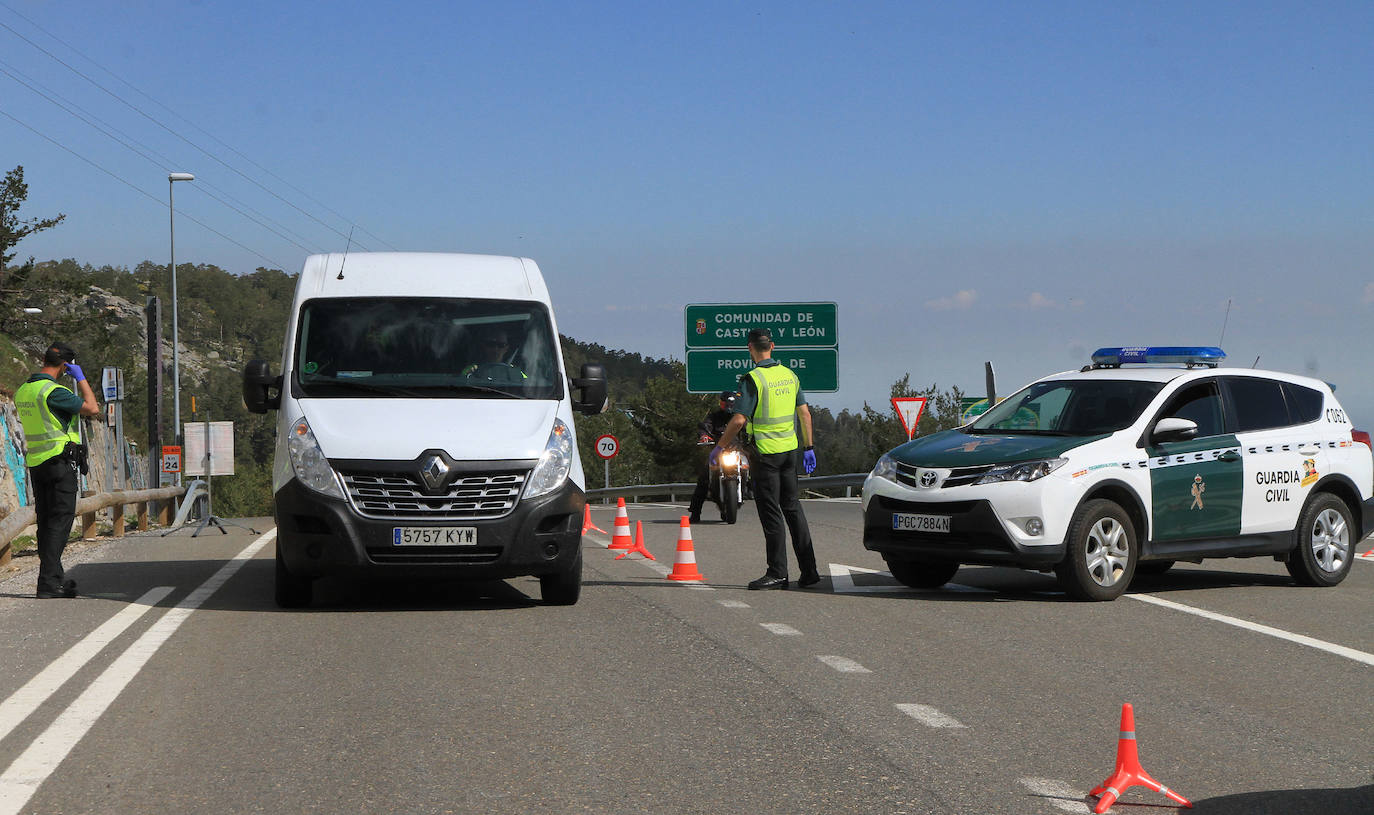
607	446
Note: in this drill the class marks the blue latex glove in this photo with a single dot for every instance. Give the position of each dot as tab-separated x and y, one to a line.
75	371
809	461
715	455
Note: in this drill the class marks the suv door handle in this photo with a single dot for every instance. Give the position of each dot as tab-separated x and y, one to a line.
1229	455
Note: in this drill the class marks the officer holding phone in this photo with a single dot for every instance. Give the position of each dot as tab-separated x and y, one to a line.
50	413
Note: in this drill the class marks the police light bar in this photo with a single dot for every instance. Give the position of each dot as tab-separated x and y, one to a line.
1190	355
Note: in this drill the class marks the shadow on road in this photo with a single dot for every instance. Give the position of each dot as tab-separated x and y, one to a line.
1289	802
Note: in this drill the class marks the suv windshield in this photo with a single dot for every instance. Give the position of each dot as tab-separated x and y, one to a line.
1069	407
426	347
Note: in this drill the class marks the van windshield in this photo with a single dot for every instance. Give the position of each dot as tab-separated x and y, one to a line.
428	347
1069	407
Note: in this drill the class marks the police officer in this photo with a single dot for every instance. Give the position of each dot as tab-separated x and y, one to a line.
771	405
710	430
49	413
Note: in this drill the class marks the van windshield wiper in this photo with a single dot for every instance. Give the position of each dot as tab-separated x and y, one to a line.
366	387
471	389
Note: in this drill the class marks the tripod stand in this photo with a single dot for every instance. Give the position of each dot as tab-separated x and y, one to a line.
210	518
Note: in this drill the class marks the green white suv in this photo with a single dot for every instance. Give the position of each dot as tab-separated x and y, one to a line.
1145	457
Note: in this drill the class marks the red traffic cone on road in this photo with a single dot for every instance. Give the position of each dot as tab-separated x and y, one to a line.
685	568
587	524
1128	771
638	544
621	538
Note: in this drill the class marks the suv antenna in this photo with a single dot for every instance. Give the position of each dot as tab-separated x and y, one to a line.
347	246
1221	342
1255	364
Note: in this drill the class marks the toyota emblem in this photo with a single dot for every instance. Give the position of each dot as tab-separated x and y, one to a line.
928	479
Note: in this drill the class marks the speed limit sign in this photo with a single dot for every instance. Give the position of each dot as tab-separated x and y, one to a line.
607	446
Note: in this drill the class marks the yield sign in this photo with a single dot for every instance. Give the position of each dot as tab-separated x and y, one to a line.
909	411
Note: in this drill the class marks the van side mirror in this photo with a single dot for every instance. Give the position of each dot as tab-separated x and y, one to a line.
592	383
258	383
1173	429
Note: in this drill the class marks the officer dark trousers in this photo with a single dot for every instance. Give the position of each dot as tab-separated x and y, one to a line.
775	493
703	488
54	497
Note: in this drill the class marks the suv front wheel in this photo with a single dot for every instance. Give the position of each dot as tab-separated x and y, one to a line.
1324	546
1102	552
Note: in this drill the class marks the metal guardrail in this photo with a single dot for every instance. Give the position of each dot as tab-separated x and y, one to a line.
87	507
636	491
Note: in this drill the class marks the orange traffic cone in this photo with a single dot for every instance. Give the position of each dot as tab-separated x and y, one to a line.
621	538
587	524
638	544
1128	771
686	566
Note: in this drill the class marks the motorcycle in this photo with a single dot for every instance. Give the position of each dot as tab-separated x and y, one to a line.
729	478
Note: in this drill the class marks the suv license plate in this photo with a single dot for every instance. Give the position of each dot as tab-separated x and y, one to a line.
906	522
434	536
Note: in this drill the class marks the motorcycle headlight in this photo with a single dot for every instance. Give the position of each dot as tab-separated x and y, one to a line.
885	468
554	465
729	458
1022	471
308	462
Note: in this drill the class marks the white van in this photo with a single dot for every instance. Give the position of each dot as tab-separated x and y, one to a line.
426	425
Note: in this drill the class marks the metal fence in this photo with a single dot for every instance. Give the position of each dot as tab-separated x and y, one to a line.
634	492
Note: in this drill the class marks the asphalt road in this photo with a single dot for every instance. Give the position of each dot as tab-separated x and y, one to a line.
175	685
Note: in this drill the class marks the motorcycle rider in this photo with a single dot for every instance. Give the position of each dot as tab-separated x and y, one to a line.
709	433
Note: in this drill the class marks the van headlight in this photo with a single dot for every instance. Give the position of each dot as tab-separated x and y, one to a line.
885	468
308	462
554	465
1022	471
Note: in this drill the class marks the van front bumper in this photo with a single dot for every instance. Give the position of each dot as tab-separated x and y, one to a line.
318	536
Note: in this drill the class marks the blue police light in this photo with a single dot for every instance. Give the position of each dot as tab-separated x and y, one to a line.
1190	355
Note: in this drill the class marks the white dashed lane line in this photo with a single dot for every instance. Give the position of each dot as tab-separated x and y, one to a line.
844	665
781	629
1061	794
733	603
929	716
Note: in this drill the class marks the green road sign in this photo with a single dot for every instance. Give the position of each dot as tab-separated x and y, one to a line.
710	371
793	325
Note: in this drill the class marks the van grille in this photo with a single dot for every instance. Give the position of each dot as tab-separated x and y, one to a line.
399	496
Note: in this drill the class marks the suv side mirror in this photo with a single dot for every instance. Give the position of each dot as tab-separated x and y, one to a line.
592	383
257	384
1173	429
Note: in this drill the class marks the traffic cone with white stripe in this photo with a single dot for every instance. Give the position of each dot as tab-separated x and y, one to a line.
621	538
587	524
685	568
1128	771
638	544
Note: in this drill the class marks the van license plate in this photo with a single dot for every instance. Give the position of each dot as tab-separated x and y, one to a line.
906	522
434	536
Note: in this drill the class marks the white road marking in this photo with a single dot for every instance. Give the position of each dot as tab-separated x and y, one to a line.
929	716
733	603
844	665
34	765
1061	794
781	629
1310	642
37	690
842	582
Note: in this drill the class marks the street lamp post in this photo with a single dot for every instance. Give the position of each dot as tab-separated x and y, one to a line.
172	178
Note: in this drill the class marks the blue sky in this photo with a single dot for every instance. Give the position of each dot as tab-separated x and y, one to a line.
1015	182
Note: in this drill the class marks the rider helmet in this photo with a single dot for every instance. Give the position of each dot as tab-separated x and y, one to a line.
727	399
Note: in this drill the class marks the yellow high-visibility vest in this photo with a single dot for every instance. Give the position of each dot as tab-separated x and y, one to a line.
44	434
772	424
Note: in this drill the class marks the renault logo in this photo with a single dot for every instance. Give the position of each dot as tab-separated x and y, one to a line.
928	478
434	472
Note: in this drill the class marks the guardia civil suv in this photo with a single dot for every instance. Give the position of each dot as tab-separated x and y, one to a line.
1145	457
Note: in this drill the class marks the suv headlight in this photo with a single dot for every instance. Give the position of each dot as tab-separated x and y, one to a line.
554	465
885	468
308	462
1022	471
